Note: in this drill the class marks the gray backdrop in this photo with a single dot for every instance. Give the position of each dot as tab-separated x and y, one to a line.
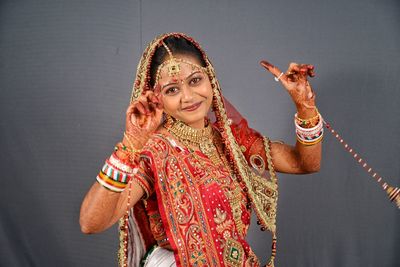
66	69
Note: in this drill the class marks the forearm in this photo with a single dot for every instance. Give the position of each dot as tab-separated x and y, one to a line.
101	208
98	209
308	156
300	158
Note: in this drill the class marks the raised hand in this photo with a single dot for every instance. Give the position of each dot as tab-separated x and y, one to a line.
143	117
296	83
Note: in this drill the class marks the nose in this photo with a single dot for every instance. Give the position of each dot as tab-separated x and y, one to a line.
187	93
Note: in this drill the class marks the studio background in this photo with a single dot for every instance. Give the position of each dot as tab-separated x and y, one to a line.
66	70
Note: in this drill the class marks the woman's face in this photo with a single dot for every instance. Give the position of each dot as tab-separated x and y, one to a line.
186	96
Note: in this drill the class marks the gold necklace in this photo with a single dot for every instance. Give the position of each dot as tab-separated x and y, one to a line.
202	138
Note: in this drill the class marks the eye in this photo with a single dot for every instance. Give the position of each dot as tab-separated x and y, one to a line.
195	80
171	91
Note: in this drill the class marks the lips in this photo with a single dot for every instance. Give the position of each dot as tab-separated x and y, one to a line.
192	107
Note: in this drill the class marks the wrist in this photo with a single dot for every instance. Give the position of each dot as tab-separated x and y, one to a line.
134	142
306	113
126	153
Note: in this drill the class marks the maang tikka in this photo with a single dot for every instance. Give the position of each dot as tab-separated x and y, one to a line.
173	65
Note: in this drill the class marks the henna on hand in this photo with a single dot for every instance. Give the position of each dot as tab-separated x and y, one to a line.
296	83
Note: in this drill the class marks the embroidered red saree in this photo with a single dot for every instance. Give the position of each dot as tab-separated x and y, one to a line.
197	209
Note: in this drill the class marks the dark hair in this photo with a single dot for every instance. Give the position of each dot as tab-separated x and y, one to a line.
177	45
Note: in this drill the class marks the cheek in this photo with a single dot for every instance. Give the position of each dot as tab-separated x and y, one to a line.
170	104
206	90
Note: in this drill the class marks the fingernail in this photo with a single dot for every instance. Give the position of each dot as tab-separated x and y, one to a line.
265	64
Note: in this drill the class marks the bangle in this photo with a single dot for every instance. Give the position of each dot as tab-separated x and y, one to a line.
143	183
115	174
308	123
309	136
133	149
125	149
307	143
109	183
119	164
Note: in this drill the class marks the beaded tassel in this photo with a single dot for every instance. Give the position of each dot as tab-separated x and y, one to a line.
271	262
392	192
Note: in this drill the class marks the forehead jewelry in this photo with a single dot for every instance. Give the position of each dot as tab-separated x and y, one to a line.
173	65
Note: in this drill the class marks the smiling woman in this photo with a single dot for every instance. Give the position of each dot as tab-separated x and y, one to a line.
184	180
186	96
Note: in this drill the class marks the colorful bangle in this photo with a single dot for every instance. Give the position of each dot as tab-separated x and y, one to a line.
309	136
309	129
309	139
116	174
119	164
109	183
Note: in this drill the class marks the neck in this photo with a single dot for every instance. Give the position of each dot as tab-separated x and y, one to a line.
197	125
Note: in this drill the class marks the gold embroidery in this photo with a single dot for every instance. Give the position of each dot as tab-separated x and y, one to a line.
219	216
234	197
233	253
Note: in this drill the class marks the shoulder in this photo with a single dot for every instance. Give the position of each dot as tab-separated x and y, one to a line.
160	144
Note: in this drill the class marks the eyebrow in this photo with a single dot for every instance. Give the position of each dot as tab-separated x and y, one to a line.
197	71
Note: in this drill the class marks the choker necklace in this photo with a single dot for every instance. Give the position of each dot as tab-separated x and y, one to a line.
202	138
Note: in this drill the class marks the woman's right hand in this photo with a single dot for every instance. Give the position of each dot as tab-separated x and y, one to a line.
143	117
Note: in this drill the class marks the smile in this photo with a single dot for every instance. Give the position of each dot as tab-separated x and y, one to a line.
192	107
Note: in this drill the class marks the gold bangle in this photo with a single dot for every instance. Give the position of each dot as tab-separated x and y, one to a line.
310	143
133	149
123	148
308	123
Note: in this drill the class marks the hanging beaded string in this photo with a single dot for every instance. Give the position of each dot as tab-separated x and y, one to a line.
126	225
392	192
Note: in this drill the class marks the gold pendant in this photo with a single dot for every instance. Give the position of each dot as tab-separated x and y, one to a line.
208	148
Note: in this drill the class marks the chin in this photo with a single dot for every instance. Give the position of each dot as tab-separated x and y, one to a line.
193	120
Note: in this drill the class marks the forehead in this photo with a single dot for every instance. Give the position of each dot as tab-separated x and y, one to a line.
185	68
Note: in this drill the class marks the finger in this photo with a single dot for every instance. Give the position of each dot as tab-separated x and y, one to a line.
271	68
160	103
311	70
147	122
299	72
310	91
301	69
152	98
131	108
146	107
152	108
293	67
292	74
140	108
157	89
133	119
150	101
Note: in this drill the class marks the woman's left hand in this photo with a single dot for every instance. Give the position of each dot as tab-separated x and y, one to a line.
296	83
